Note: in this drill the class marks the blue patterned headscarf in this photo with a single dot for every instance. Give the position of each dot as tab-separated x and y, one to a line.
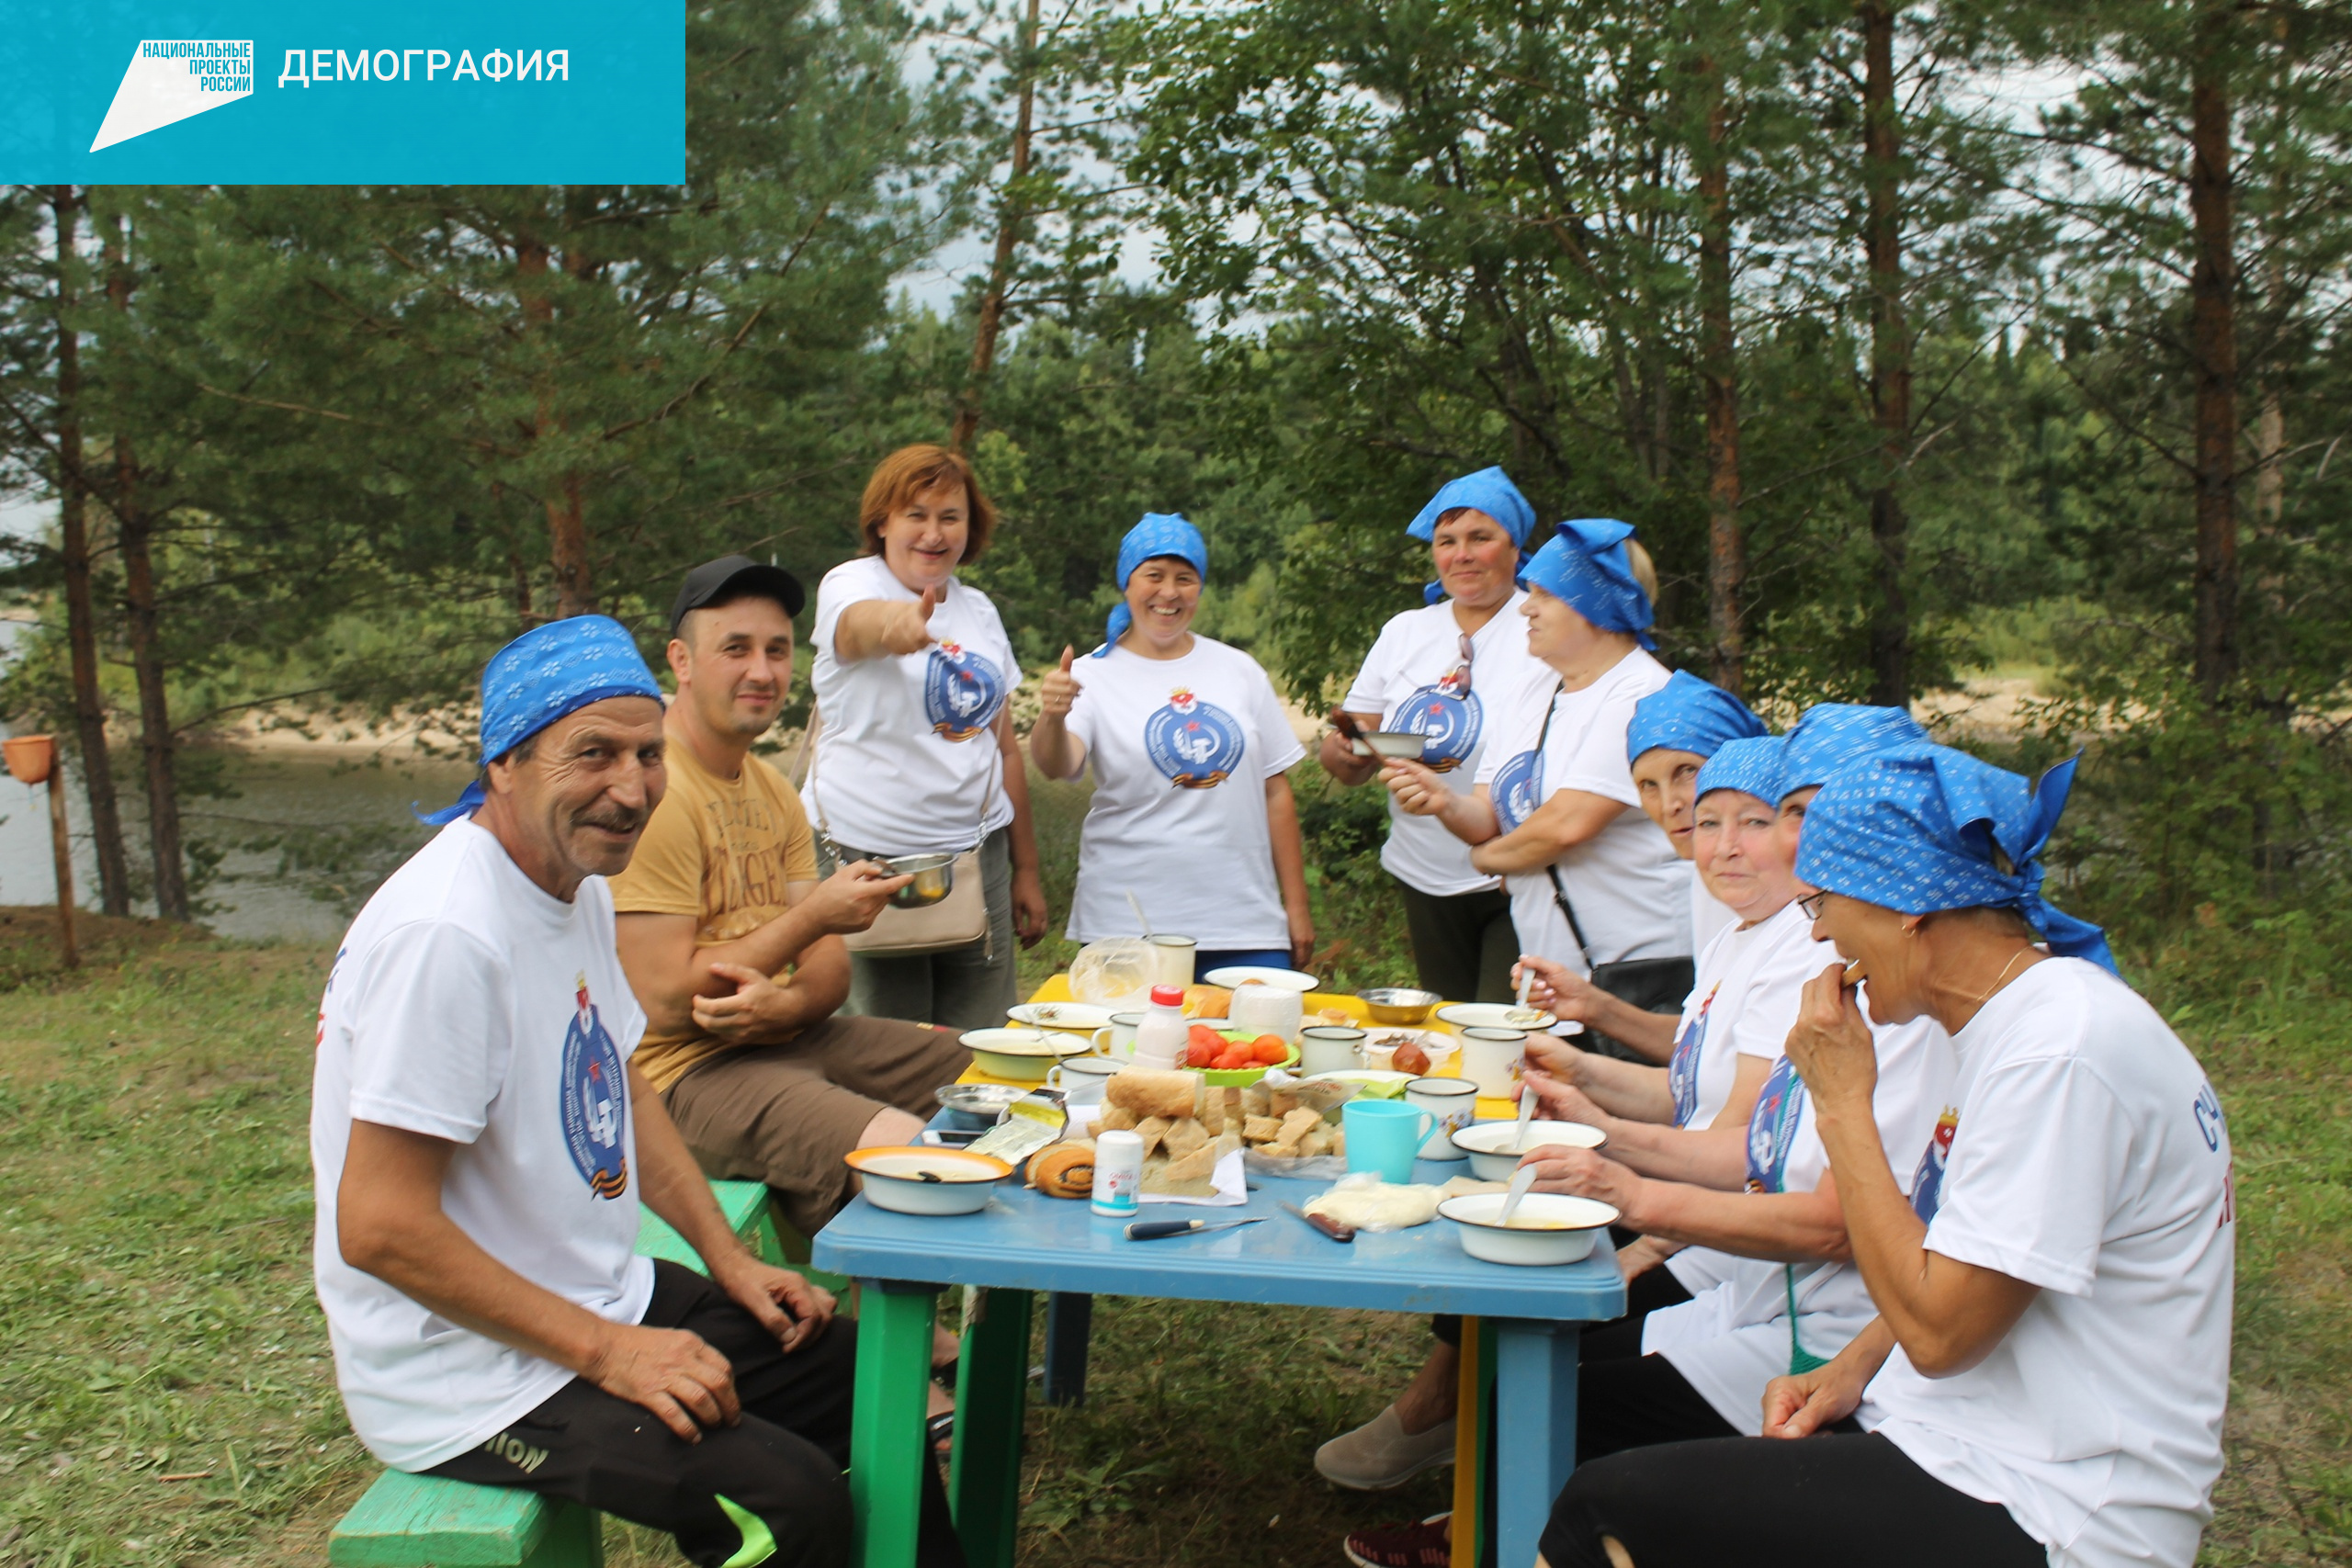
1751	765
1831	736
1585	566
1927	828
546	673
1488	490
1160	533
1688	714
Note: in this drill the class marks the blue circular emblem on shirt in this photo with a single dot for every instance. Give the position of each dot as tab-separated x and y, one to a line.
1448	721
1517	790
1196	744
1683	1067
961	692
595	1102
1772	1127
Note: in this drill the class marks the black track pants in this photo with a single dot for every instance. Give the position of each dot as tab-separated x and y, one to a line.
783	1465
1853	1499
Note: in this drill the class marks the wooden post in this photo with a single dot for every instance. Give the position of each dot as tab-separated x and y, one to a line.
61	846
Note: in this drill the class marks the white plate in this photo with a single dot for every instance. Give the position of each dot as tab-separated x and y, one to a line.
1234	975
1490	1015
1083	1018
1364	1077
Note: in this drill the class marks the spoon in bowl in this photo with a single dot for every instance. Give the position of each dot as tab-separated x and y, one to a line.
1526	1116
1521	1180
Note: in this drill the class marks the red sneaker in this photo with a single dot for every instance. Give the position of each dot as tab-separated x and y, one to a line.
1428	1544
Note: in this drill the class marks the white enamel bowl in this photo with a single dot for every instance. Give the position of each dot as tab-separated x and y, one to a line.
1025	1056
1234	976
1561	1229
1493	1015
1488	1143
917	1181
1080	1018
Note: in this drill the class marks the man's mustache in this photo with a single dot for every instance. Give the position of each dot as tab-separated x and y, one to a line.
618	820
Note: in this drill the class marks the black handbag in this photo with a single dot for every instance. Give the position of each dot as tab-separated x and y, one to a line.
1653	985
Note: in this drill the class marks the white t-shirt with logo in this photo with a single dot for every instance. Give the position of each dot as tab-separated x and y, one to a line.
1181	749
1413	678
469	1004
906	754
1731	1341
1748	983
1632	893
2083	1152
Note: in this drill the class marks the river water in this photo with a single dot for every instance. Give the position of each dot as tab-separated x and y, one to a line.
343	818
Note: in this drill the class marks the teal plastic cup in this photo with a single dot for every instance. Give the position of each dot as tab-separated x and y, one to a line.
1383	1136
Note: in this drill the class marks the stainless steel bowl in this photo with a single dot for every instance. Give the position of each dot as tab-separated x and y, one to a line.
1399	743
1397	1004
933	877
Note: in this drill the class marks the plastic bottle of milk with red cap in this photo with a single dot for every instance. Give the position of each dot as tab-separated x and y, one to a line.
1160	1038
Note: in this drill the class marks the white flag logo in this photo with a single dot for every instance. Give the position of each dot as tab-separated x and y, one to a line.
172	79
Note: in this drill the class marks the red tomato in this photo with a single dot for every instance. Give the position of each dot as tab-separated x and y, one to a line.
1200	1053
1201	1035
1233	1058
1270	1049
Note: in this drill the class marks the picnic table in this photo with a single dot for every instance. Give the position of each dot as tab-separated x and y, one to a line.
1519	1344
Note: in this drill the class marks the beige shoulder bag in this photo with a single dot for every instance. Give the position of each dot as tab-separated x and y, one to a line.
957	920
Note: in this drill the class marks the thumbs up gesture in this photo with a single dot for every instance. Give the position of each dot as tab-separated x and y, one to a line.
909	627
1060	688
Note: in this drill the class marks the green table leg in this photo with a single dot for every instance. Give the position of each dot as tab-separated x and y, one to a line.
991	1395
886	1446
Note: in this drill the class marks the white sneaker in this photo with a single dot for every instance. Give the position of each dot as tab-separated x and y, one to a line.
1380	1454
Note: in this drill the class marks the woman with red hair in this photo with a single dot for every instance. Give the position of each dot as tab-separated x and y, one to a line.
915	752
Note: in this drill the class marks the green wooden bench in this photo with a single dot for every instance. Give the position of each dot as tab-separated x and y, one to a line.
423	1521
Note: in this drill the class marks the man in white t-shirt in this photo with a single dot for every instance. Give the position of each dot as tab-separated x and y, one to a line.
2046	1379
482	1145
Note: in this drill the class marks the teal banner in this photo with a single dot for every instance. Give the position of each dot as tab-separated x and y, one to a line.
268	92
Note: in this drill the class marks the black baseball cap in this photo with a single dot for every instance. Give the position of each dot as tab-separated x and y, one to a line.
735	577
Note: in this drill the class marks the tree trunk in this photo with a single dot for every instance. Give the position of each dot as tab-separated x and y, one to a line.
74	546
2214	330
1890	625
567	547
1719	369
134	530
1011	216
576	592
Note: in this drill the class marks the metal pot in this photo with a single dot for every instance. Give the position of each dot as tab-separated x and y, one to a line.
933	877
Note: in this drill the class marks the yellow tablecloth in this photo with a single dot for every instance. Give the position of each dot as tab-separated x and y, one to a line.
1056	988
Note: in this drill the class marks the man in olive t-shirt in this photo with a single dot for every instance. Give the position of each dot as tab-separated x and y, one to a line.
731	942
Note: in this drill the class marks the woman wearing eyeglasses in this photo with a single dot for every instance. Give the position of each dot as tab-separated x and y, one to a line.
2046	1378
1450	671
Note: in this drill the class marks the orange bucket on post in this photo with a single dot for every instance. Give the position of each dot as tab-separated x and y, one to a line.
30	758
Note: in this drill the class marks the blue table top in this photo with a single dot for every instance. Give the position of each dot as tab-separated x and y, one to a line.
1024	1240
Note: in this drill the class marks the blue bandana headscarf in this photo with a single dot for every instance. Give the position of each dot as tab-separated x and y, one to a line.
1689	715
1831	736
1927	828
1751	765
1160	533
1488	490
546	673
1585	566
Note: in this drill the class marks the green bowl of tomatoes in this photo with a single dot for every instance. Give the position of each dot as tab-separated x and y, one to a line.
1225	1055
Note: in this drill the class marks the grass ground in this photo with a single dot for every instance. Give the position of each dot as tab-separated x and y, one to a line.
165	1392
